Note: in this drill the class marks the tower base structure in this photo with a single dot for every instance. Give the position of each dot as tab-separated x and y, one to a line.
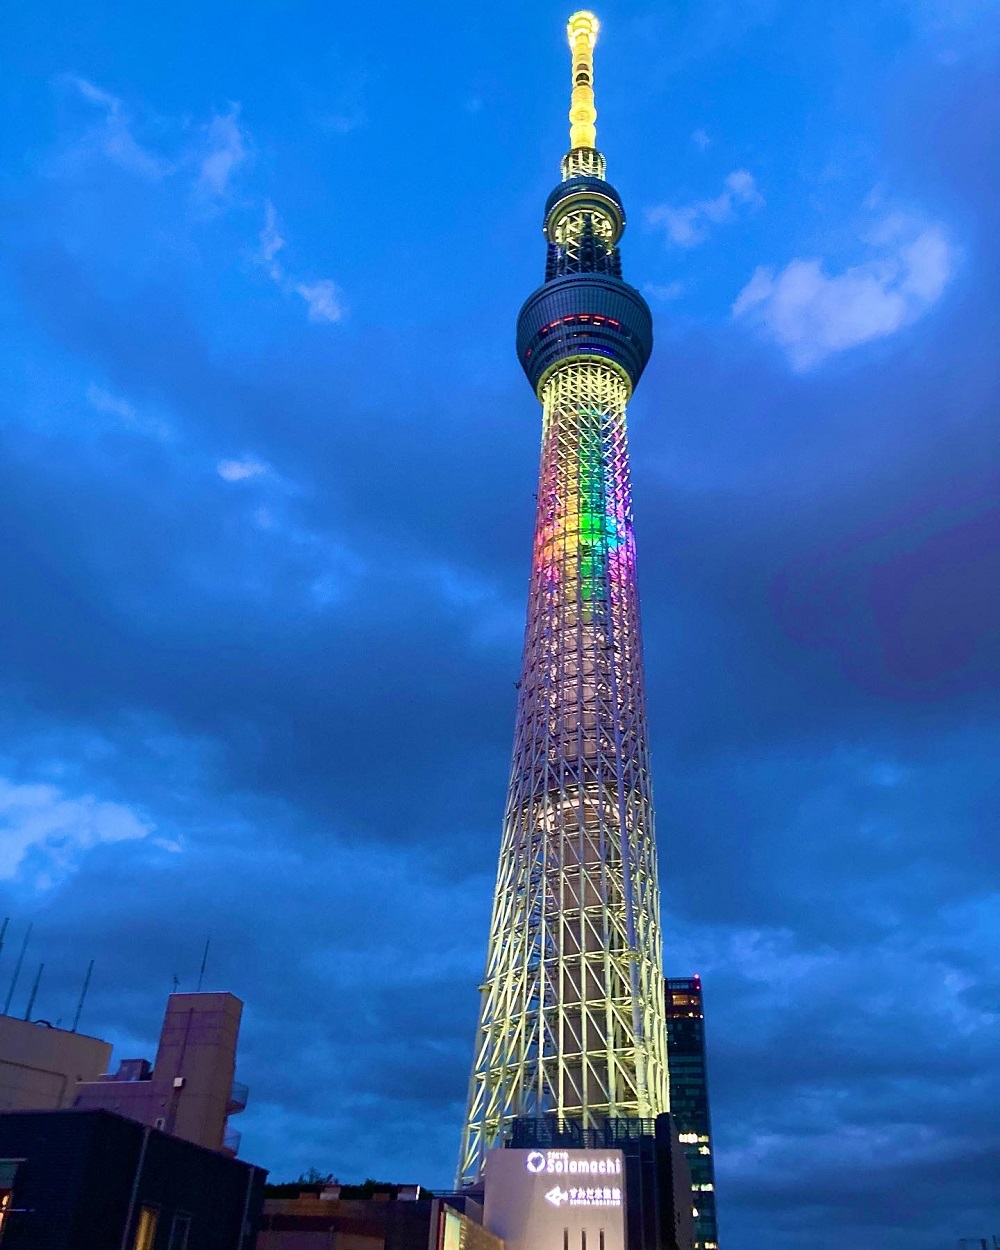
560	1185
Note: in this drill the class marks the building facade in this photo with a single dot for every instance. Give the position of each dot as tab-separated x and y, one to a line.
370	1217
189	1090
41	1065
571	1016
689	1100
91	1180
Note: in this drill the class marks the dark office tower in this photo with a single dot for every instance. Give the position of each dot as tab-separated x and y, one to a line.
689	1100
571	1018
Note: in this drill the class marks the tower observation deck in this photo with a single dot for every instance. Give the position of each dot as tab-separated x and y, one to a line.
572	1017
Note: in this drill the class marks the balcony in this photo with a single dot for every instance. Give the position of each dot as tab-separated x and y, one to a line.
237	1101
231	1142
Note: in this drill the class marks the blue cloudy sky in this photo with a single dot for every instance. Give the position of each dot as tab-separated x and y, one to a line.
266	475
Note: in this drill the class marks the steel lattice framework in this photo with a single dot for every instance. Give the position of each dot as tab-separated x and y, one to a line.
572	1015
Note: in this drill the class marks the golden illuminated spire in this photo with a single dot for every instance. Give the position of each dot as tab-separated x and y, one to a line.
582	31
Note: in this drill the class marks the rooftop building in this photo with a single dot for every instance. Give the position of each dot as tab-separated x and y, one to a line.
41	1065
189	1091
370	1217
91	1180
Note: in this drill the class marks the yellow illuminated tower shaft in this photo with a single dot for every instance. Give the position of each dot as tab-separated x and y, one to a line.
572	1017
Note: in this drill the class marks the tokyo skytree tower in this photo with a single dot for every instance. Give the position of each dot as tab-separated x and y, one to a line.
572	1016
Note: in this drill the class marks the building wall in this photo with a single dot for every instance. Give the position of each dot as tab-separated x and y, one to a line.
74	1186
388	1221
40	1066
187	1091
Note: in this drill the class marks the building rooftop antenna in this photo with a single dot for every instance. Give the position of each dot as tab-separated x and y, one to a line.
17	971
204	961
34	991
83	995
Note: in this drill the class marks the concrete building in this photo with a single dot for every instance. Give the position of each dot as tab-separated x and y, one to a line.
390	1217
189	1090
40	1065
90	1180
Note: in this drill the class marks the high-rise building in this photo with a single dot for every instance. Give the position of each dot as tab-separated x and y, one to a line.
689	1100
572	1016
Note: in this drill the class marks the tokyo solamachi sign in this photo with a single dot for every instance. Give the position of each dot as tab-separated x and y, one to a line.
556	1199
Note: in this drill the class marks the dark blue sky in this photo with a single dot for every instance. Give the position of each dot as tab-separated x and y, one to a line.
267	468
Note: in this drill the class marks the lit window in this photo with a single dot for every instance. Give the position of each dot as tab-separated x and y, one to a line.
145	1230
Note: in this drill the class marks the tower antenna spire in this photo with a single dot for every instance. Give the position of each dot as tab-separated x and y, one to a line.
582	31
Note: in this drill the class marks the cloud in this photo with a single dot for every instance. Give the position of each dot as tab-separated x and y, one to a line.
44	834
323	297
240	470
104	401
701	139
271	242
227	151
125	413
112	137
689	224
812	315
208	161
664	291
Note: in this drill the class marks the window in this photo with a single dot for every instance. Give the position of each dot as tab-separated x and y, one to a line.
180	1230
8	1174
145	1229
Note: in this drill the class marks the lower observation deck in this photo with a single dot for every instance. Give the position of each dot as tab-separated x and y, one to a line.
584	315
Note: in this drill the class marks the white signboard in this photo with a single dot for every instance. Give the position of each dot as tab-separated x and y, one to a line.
556	1199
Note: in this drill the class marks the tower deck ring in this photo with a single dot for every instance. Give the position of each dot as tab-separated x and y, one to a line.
584	315
580	193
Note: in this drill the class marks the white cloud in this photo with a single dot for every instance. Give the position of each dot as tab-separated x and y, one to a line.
104	401
689	224
271	243
227	150
112	137
45	834
210	159
322	295
322	298
812	315
664	291
240	470
701	138
125	414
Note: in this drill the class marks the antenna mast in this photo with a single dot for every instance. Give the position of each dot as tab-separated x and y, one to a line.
17	972
83	995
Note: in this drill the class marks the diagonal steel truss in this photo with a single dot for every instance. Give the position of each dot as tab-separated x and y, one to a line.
572	1015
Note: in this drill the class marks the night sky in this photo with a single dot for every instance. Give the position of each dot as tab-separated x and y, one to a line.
267	465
